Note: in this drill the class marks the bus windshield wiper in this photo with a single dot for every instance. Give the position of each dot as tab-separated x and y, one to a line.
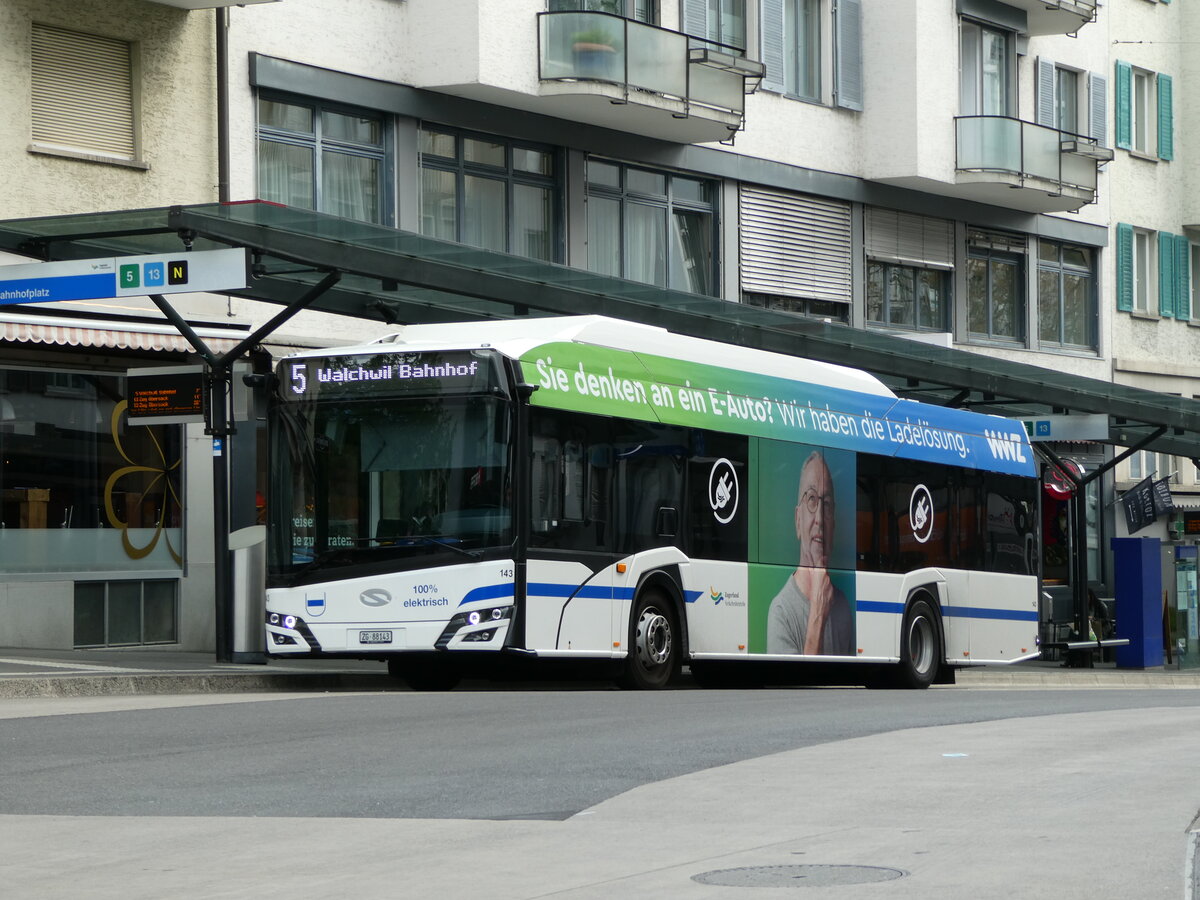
441	541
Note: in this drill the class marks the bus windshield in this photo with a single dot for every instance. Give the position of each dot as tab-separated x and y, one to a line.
388	479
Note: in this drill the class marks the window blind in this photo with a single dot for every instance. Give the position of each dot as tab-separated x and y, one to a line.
794	245
82	92
910	239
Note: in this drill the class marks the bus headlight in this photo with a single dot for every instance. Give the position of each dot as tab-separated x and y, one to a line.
470	619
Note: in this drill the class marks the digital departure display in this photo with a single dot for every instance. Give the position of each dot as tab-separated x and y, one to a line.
166	395
389	374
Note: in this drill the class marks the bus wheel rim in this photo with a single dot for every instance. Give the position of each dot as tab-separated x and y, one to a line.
920	644
653	638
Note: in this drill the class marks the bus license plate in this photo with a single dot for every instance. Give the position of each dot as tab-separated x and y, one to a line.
374	637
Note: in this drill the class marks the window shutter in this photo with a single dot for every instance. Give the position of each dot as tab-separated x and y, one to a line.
82	92
1098	108
695	18
1124	79
908	239
770	29
848	63
1124	267
794	245
1166	128
1047	102
1166	274
1183	285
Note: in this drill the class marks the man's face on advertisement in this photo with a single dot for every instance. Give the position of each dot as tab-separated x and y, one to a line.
814	514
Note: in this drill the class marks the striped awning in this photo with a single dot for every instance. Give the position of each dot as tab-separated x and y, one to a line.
108	335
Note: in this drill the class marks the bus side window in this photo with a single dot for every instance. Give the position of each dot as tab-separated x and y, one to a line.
547	502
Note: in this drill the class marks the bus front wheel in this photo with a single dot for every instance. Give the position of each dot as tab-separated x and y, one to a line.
653	657
920	646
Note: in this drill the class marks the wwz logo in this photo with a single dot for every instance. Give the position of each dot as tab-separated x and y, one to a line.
723	491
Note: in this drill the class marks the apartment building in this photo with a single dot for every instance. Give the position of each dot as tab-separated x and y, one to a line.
1002	177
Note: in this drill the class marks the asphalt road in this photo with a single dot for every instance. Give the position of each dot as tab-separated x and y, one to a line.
536	753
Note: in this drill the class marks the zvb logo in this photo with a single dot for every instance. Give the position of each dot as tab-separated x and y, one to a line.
723	491
314	604
375	597
920	513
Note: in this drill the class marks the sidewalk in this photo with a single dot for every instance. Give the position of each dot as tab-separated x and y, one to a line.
84	673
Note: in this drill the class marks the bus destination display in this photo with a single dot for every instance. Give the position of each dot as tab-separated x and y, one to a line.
388	374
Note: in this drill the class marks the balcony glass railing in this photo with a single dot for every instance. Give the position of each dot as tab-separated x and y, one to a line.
1010	146
599	47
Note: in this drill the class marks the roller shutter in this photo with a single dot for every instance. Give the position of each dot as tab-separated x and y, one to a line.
909	239
795	245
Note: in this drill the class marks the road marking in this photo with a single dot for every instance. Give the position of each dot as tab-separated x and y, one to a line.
85	667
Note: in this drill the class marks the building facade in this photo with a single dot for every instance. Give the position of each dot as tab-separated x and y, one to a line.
1004	177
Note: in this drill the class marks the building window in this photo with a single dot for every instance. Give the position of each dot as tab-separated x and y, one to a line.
329	159
1143	269
82	92
1147	464
490	193
125	613
987	70
995	295
825	310
638	10
717	22
1066	296
802	48
1066	92
1145	111
651	227
1192	274
906	297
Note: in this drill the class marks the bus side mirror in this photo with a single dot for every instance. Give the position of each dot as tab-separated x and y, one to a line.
666	523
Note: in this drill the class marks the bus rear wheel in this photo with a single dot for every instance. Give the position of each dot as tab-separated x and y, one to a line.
425	673
653	657
920	646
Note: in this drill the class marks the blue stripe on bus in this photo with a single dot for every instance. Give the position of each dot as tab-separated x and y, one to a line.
692	596
977	612
488	592
960	612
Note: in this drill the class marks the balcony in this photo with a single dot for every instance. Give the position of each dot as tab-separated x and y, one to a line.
1007	162
206	4
621	74
1057	16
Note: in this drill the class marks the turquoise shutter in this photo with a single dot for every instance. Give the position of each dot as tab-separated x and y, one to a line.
1183	281
1166	274
770	31
1166	127
1124	90
848	66
1124	267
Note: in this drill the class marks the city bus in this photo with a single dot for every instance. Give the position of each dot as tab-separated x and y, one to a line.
582	488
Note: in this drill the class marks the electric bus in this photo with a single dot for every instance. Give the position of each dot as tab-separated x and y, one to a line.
583	488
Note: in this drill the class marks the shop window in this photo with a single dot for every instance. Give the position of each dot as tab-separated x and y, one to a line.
81	489
126	613
490	193
326	158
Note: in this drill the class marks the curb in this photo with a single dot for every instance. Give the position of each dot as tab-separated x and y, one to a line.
130	685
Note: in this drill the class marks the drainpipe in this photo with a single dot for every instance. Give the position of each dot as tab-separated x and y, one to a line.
222	25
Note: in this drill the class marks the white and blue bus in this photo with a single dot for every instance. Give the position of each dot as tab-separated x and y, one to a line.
591	489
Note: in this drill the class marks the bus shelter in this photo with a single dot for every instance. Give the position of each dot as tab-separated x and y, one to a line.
307	260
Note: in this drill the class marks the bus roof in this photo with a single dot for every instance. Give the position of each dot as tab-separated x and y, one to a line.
515	337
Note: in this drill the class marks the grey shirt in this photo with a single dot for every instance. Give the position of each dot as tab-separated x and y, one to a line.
787	623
